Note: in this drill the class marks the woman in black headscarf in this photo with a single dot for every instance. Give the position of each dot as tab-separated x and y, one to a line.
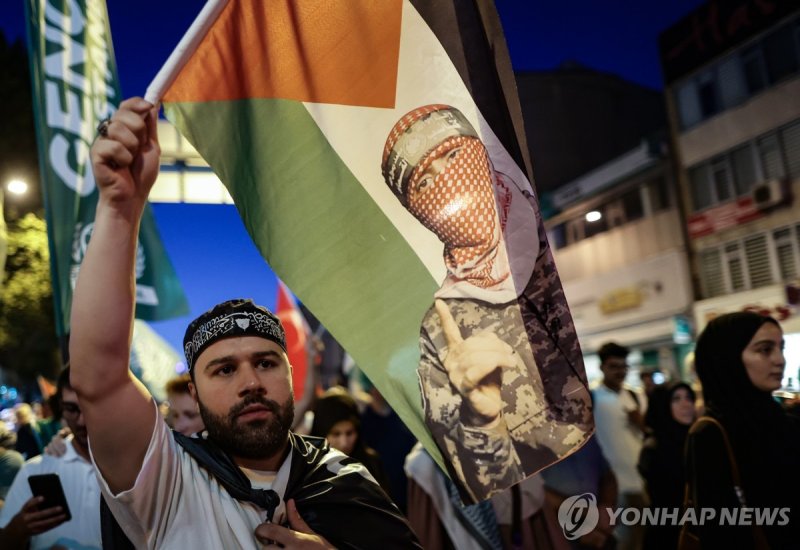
670	412
336	418
739	359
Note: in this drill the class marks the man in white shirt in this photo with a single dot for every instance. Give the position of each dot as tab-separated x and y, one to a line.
250	481
26	527
619	425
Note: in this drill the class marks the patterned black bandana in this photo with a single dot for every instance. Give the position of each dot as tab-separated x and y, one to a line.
228	319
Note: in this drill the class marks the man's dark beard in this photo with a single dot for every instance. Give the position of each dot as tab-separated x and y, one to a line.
257	439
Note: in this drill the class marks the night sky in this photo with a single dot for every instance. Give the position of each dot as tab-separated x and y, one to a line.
617	36
217	260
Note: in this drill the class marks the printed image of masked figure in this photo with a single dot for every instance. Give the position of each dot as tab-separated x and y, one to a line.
503	385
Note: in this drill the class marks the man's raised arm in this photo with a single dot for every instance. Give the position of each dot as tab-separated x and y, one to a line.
118	409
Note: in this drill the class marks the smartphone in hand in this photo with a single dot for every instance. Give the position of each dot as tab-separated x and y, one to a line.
49	487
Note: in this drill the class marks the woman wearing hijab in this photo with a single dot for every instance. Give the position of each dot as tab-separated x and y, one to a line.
336	419
739	359
670	413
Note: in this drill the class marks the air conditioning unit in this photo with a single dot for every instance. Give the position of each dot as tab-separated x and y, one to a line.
770	193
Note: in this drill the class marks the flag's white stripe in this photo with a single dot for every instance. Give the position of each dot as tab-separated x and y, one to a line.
425	75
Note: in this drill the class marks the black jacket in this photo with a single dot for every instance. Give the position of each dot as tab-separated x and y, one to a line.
334	499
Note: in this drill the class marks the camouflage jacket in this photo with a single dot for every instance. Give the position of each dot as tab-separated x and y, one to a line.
546	411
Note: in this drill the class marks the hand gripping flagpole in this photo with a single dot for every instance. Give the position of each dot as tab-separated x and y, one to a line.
184	50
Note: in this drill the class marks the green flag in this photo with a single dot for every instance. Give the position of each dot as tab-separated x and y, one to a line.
75	86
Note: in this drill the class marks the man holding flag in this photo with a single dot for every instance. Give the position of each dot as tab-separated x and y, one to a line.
251	480
304	94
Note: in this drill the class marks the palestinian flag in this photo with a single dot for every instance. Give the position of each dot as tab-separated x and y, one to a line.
375	152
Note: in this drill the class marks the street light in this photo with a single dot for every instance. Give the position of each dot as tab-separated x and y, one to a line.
17	187
593	216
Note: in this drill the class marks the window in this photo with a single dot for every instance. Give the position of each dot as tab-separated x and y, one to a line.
790	137
797	234
756	261
780	54
737	172
758	264
744	169
797	35
732	84
711	273
770	154
688	104
735	264
741	75
707	92
723	186
659	194
701	189
614	212
632	204
787	253
755	75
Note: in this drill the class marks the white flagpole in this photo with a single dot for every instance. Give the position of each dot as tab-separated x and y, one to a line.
184	50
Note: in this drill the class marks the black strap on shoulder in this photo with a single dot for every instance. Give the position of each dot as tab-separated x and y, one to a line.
737	480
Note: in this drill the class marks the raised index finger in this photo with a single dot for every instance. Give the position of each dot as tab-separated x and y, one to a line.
452	334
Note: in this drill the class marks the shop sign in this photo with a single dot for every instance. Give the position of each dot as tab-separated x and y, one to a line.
657	288
772	301
721	217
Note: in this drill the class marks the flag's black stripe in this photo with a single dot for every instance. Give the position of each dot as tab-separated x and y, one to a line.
471	34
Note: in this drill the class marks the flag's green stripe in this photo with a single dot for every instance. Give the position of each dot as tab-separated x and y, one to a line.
320	231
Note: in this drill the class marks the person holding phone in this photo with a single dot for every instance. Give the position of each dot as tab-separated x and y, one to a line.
40	518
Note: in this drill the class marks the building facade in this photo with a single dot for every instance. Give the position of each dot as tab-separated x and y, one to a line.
732	76
622	259
577	118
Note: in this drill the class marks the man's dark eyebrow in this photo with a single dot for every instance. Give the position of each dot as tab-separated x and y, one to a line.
219	360
232	359
268	353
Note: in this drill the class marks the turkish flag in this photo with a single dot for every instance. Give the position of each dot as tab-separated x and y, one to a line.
297	338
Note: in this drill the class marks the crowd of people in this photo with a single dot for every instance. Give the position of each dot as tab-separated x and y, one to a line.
225	464
645	453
